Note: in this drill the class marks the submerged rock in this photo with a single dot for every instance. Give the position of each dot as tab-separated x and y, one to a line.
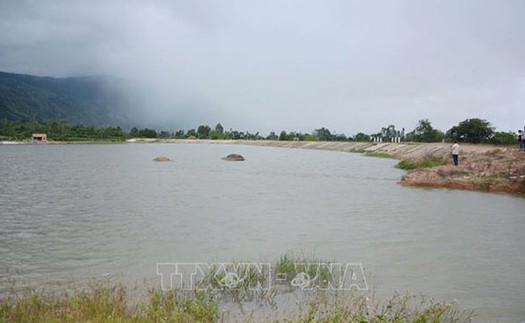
161	159
233	157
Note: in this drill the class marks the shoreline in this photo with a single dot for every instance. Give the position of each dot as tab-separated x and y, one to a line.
485	168
482	167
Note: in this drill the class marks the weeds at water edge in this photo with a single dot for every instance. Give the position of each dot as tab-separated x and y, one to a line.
429	162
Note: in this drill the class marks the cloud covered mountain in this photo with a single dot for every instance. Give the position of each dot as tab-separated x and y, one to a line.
95	100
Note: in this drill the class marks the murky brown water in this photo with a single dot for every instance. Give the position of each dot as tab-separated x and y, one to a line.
70	213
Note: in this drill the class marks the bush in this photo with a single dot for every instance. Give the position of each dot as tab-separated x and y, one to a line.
429	162
504	138
471	130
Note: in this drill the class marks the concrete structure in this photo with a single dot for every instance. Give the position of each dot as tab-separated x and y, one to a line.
39	137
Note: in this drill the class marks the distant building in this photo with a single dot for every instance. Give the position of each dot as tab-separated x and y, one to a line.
39	137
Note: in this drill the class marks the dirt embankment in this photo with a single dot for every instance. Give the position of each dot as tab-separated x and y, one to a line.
481	167
495	170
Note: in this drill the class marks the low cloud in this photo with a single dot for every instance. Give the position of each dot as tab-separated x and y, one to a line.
295	65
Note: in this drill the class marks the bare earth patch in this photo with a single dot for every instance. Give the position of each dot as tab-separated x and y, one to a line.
496	170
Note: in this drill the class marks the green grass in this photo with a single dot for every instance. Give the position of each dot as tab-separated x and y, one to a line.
399	308
430	162
104	301
380	154
246	285
290	265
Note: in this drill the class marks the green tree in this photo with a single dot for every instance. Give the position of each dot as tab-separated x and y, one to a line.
179	134
471	130
323	134
272	136
387	133
191	133
7	129
165	134
283	136
219	129
106	133
424	132
310	137
236	135
503	138
57	130
134	132
203	132
147	133
361	137
299	136
227	135
252	136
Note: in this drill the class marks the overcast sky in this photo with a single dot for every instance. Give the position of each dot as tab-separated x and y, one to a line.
296	65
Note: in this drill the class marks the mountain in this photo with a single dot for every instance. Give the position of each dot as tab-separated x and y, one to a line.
93	100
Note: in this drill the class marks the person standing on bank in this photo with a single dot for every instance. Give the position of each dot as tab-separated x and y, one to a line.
455	153
520	139
523	137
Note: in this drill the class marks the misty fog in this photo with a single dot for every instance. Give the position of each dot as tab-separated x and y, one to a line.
295	65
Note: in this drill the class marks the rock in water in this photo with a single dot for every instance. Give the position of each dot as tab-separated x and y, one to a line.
161	159
234	157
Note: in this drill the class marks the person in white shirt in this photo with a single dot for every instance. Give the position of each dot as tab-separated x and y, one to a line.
455	153
521	142
523	138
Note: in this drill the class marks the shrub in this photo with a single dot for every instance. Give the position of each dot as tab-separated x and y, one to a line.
429	162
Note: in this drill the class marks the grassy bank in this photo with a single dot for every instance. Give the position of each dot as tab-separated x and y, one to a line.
105	302
428	162
378	154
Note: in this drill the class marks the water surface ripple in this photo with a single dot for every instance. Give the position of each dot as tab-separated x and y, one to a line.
70	213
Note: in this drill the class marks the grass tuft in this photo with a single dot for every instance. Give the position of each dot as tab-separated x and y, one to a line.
290	265
399	308
408	164
106	302
379	154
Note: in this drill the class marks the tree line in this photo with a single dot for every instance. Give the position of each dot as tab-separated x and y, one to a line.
470	130
59	130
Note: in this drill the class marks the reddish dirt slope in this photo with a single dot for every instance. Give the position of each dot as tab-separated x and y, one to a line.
496	170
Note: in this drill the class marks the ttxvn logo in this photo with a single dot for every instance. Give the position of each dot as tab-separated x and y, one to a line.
261	276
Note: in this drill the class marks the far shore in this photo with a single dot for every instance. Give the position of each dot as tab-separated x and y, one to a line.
482	167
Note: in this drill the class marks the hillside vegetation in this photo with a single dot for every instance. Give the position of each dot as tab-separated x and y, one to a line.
79	100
